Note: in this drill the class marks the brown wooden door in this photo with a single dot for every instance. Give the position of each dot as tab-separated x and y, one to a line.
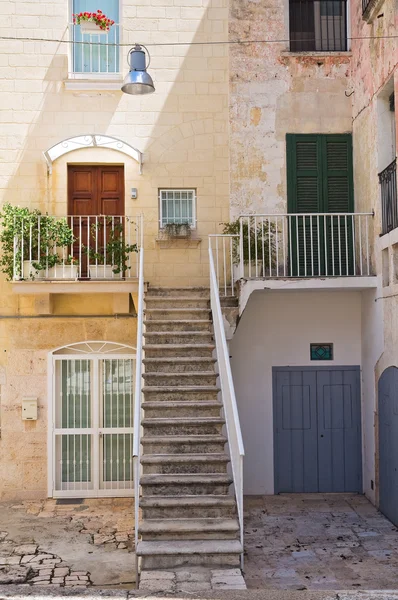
94	191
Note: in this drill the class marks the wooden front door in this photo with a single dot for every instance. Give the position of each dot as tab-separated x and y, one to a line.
93	193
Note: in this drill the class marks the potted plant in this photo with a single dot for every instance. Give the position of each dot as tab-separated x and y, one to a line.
93	22
258	243
111	261
65	269
177	230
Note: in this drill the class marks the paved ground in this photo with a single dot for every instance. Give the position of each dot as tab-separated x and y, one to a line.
319	542
191	581
91	543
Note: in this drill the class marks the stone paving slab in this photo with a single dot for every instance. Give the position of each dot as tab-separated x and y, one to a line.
318	542
191	580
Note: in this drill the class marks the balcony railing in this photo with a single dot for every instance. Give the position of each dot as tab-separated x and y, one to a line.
94	54
76	248
318	25
306	245
389	204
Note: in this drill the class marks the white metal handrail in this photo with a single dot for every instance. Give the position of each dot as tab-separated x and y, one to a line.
138	403
306	245
230	407
225	250
94	53
76	247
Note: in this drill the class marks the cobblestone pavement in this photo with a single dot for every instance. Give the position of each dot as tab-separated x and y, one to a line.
191	581
319	542
88	542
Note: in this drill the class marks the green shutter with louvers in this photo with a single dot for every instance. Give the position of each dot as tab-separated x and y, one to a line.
319	169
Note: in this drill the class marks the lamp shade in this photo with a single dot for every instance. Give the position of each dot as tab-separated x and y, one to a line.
137	81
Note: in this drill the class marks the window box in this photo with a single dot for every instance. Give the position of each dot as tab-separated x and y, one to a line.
90	27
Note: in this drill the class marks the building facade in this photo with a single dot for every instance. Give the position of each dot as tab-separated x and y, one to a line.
294	133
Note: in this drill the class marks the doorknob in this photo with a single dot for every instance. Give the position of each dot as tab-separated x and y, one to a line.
321	434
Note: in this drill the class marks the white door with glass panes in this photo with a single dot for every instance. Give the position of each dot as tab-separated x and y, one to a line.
92	416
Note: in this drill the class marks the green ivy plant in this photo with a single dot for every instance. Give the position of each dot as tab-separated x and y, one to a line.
29	235
116	252
257	236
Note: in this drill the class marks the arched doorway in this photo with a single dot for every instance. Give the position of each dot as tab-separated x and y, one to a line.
388	443
91	420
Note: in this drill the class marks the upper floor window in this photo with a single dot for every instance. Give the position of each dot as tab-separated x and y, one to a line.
318	25
95	52
177	206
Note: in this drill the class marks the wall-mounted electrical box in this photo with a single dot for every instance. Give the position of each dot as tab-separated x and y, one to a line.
29	409
134	193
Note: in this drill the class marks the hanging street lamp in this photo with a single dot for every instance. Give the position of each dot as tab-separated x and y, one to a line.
138	81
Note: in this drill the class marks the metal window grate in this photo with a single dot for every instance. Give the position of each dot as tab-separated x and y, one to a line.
318	25
389	205
177	206
321	351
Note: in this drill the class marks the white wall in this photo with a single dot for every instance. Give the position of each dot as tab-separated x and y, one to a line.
276	329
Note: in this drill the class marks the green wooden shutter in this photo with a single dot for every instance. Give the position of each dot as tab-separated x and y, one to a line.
338	198
319	178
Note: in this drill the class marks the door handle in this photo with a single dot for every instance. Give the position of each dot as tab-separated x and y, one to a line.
321	434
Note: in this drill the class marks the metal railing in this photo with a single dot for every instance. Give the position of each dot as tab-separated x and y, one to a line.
224	249
306	245
389	203
94	53
235	440
77	247
318	25
137	405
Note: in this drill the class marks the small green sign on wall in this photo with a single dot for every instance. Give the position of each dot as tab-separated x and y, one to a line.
321	351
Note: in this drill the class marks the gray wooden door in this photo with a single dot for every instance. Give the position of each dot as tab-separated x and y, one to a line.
388	443
317	429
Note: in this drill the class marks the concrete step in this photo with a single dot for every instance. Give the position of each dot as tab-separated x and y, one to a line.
157	507
177	302
189	529
178	350
191	292
178	337
187	325
177	314
181	409
180	379
183	426
183	444
178	364
229	301
170	554
195	393
193	484
184	463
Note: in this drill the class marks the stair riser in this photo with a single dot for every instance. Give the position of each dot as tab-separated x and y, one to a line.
191	410
178	352
204	429
179	379
177	396
229	301
215	535
181	489
175	292
179	338
204	560
192	325
185	468
189	512
183	367
175	315
166	303
176	448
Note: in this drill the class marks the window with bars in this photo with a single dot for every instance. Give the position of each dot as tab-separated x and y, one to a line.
318	25
177	206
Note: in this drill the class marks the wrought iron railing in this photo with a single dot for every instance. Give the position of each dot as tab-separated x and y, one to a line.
318	25
94	53
389	204
76	247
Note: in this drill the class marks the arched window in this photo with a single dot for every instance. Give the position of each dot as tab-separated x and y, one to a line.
91	420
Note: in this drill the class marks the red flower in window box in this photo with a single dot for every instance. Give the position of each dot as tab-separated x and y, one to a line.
98	18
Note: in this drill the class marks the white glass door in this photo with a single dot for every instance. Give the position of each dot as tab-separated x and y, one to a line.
93	426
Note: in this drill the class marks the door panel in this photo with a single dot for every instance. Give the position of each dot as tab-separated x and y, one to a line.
388	443
296	430
317	429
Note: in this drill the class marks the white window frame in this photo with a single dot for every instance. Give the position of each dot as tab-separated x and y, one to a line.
194	200
96	76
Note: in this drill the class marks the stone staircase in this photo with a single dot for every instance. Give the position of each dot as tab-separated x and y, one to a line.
188	518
